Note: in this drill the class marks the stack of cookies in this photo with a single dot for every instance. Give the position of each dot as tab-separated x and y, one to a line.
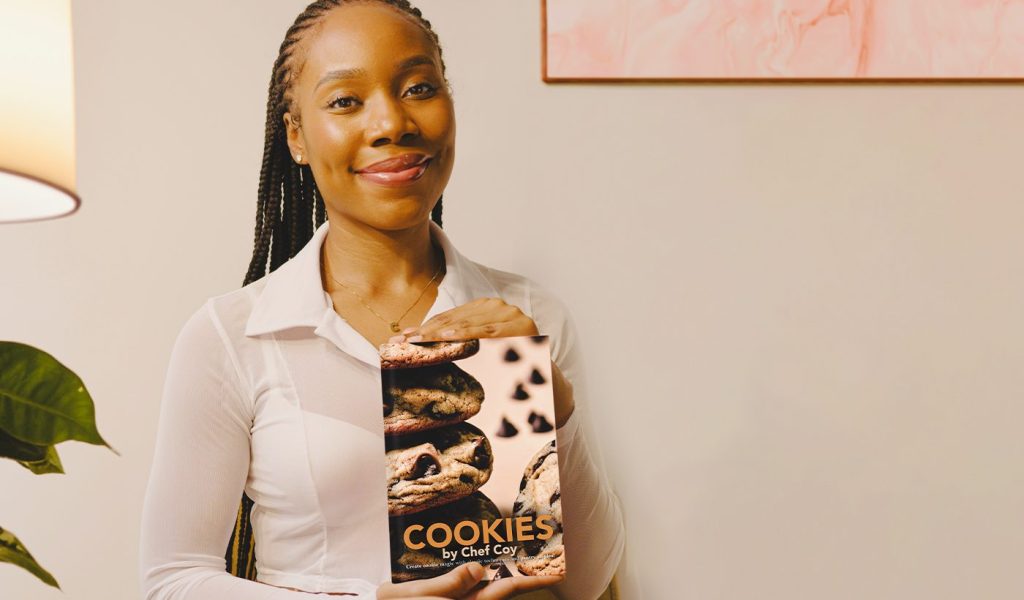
436	461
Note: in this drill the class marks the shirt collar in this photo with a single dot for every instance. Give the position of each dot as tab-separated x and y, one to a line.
293	295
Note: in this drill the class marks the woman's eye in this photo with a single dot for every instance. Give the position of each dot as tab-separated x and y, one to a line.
343	102
423	89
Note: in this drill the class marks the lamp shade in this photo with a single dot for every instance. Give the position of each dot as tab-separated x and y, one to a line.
37	111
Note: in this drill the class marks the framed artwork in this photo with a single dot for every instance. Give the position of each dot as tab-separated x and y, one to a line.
766	40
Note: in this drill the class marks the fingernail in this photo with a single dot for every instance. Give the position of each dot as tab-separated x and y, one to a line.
408	330
476	570
448	332
415	338
395	339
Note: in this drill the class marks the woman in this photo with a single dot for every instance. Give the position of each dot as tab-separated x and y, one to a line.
274	388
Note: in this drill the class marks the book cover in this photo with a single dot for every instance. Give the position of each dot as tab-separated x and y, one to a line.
472	461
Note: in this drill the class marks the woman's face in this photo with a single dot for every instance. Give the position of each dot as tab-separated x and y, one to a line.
371	89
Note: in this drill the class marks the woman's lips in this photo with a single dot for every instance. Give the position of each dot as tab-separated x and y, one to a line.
396	178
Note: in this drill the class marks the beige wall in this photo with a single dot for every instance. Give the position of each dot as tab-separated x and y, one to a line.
802	304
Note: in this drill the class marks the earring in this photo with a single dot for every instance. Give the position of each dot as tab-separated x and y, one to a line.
298	158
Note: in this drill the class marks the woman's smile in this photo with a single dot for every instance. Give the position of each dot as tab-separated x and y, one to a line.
398	171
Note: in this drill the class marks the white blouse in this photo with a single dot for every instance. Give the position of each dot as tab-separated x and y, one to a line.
270	391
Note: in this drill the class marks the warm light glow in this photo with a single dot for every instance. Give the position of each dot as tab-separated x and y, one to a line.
28	199
37	110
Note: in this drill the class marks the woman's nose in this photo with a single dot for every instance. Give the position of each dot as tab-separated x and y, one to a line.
389	122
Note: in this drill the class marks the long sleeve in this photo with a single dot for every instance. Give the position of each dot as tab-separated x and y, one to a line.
199	470
595	536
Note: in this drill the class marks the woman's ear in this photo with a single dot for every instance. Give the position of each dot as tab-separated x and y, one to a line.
295	145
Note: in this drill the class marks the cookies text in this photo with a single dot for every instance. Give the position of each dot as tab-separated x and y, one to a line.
467	533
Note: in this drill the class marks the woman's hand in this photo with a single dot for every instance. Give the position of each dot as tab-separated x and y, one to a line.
463	583
512	586
453	585
480	318
484	318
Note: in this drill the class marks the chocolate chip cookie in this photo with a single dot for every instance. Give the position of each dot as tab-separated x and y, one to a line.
435	467
429	397
539	494
408	564
403	355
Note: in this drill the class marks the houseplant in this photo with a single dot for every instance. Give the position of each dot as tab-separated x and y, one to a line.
42	403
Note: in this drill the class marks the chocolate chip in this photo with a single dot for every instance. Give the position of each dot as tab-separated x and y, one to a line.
554	497
444	438
520	393
511	355
541	424
533	547
501	571
432	409
506	429
540	460
465	478
536	377
481	457
533	417
389	405
426	465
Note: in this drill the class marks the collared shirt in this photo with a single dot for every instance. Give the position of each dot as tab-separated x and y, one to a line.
272	392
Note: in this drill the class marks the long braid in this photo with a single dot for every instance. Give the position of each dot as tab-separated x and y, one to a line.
289	204
321	211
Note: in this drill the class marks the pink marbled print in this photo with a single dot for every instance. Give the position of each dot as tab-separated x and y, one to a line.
785	38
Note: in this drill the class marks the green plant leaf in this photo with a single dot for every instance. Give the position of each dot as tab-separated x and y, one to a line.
42	402
12	551
12	447
48	464
38	459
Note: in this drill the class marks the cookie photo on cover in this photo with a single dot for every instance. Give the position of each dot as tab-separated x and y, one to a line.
471	455
417	399
435	467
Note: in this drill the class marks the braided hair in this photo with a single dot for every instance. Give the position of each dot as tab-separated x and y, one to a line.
288	210
289	206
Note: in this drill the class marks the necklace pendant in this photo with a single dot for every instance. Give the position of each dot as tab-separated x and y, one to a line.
394	326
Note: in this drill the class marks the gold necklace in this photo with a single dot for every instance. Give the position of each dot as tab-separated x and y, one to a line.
393	324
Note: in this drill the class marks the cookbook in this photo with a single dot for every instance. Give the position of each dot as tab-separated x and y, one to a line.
472	461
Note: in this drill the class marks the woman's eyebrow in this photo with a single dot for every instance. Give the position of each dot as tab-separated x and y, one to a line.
336	74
